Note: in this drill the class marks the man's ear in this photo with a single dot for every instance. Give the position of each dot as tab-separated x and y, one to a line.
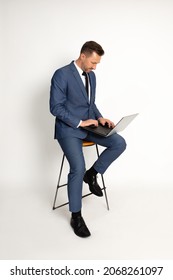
83	56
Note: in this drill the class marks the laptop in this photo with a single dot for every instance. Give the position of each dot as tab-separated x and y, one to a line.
107	131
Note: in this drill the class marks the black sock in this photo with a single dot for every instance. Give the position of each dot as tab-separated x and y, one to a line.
92	171
76	214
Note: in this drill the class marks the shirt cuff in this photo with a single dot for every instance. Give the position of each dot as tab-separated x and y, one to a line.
79	123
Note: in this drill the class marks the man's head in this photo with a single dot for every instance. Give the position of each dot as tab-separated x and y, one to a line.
90	56
89	47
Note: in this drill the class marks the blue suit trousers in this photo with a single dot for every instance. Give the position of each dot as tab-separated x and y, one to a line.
72	148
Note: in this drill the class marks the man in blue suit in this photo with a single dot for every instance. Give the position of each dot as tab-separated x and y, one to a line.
74	107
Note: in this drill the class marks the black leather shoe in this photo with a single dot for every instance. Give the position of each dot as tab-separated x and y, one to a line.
79	226
93	185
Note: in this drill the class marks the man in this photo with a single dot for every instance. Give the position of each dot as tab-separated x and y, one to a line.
72	102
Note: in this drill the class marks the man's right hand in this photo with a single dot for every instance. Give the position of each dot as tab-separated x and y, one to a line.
89	122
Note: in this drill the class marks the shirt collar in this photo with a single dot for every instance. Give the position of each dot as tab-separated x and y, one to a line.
78	68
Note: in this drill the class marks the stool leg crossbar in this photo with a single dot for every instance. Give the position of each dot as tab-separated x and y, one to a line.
63	185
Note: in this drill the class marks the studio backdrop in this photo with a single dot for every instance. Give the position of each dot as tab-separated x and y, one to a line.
134	76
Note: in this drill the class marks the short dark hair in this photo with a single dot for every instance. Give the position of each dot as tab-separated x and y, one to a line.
90	47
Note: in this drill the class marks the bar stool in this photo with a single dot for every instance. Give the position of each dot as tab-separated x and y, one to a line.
59	185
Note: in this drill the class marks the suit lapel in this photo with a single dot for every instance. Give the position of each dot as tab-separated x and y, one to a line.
91	87
79	80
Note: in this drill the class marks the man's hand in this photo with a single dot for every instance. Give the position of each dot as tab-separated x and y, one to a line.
104	121
89	122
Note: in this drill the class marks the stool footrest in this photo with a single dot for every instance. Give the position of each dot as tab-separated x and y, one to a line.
60	186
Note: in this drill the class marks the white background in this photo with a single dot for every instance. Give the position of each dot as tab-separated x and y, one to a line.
135	75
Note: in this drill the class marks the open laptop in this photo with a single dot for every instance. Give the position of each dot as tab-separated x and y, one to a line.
107	131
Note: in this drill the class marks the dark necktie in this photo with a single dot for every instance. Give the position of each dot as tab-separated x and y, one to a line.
86	82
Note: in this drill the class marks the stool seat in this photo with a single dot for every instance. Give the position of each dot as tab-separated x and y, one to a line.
87	143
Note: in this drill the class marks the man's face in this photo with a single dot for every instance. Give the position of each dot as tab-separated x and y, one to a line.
90	62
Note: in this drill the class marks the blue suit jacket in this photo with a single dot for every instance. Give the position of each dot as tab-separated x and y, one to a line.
69	102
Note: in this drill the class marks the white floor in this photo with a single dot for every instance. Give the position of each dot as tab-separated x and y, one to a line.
138	226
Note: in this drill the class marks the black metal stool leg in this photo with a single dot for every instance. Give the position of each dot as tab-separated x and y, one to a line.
103	182
58	185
